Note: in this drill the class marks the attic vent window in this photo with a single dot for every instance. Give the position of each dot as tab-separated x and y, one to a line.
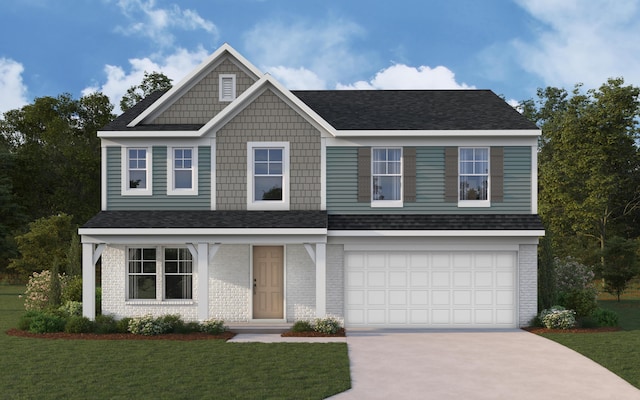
227	86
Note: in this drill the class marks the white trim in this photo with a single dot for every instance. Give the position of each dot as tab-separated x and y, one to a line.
439	133
436	233
201	231
534	179
213	171
202	266
103	178
88	282
124	167
321	280
323	174
171	189
253	204
221	79
148	134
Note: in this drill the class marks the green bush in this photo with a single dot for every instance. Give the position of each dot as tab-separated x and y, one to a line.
25	320
106	324
122	326
213	326
72	290
147	325
557	317
79	324
327	325
582	301
173	323
46	322
71	308
605	317
302	326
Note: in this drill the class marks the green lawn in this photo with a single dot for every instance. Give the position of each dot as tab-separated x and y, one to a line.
80	369
617	351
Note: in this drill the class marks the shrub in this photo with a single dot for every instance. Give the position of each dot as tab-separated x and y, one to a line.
191	327
172	323
557	317
574	286
25	320
302	326
47	323
106	324
122	326
605	317
583	302
79	324
327	325
147	326
72	290
38	292
71	308
213	326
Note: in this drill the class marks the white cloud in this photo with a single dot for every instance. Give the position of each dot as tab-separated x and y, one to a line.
13	89
148	20
400	76
582	41
309	54
118	80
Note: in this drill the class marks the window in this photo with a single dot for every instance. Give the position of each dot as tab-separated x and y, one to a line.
386	177
136	171
227	86
178	273
268	176
473	172
149	268
142	273
182	171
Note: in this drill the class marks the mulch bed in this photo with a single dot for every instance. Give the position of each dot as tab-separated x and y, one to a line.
340	333
121	336
538	330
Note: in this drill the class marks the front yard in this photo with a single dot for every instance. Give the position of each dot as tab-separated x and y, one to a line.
123	369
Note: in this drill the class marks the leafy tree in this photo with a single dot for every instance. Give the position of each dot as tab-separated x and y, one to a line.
11	214
45	245
589	165
620	264
150	83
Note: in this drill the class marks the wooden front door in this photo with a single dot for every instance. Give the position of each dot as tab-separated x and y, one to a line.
268	282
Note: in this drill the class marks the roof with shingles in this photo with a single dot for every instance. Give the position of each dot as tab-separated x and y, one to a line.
435	222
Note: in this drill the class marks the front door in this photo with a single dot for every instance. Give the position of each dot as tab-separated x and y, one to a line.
268	282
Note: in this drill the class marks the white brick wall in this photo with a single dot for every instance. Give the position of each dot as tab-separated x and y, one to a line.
301	284
229	284
114	275
528	282
335	281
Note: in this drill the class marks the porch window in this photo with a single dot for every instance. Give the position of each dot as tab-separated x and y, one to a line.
178	273
142	273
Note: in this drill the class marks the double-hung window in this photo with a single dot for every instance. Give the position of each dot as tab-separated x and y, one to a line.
268	176
386	177
178	273
182	168
473	173
136	162
142	273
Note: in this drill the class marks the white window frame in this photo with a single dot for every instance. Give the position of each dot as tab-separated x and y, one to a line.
160	280
253	204
387	203
142	273
165	274
475	203
221	95
171	181
126	190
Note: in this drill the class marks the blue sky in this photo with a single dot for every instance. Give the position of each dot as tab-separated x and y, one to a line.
509	46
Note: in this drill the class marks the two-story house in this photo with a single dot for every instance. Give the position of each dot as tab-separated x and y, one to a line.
232	197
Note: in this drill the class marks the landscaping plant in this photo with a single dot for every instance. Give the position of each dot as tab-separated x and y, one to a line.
557	317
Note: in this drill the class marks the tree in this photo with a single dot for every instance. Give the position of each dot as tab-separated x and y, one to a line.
45	245
11	213
589	165
150	83
620	264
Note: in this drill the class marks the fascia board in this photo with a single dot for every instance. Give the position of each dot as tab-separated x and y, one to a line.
434	233
193	75
200	231
147	134
439	133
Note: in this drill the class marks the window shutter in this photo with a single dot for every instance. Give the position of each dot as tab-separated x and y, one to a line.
364	175
496	167
409	174
451	174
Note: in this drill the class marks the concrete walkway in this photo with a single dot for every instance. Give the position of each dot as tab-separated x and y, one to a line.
276	338
474	365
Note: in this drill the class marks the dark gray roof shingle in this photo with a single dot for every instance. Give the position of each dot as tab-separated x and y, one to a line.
435	222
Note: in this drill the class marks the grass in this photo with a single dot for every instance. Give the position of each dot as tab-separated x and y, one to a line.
79	369
619	351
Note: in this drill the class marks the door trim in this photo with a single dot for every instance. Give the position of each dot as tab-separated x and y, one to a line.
284	285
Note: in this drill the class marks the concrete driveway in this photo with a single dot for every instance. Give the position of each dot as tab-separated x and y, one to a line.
493	365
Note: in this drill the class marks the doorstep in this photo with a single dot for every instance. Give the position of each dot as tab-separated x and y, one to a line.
259	328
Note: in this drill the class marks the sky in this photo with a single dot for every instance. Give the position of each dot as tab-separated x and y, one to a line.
512	47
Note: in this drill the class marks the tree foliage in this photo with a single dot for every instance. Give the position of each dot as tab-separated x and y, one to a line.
620	264
150	83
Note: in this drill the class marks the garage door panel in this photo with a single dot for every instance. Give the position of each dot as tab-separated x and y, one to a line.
437	289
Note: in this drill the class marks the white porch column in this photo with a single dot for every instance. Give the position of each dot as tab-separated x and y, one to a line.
321	280
88	282
203	281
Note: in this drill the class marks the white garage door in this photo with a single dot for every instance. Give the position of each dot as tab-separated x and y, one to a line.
430	289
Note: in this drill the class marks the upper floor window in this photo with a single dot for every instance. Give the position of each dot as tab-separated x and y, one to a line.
386	177
182	171
268	176
227	87
136	171
473	173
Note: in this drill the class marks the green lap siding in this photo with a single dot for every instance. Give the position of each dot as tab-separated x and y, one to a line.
159	200
342	183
